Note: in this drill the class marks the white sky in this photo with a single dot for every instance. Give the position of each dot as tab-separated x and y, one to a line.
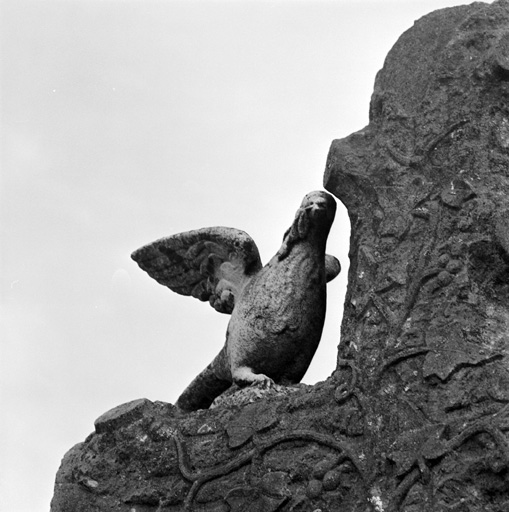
126	121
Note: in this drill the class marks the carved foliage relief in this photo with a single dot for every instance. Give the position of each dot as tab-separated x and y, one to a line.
426	185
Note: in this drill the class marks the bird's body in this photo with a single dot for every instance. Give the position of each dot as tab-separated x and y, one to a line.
278	310
280	306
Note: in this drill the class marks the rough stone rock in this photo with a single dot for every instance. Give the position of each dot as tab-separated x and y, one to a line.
147	456
122	415
416	416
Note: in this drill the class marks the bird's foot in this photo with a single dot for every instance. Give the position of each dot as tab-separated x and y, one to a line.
244	376
263	381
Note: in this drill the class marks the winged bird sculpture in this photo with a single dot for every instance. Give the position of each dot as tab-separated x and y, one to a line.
277	310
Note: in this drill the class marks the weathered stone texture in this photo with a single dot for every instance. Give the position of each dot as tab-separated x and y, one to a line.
416	417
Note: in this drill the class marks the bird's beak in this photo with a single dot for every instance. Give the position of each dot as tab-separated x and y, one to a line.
318	205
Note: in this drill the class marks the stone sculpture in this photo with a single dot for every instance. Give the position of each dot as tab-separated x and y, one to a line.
277	310
416	417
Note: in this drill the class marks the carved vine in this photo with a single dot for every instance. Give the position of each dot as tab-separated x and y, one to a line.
434	448
200	477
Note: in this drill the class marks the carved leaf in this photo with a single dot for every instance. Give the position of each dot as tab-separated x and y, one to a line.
254	418
456	193
417	444
450	353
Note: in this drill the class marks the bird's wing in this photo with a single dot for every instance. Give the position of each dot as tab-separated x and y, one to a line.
210	264
332	267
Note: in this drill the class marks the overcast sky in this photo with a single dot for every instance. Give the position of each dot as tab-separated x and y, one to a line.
126	121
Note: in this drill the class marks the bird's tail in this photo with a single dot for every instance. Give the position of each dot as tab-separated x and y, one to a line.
205	387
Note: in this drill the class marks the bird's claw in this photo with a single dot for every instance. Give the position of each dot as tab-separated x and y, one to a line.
262	381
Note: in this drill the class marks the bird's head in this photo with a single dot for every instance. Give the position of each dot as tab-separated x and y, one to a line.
316	213
319	204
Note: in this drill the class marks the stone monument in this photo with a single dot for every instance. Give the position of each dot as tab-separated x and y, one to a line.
416	416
